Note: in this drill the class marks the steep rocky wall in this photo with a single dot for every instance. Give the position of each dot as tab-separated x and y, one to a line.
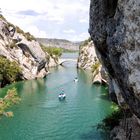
115	30
88	60
22	48
87	56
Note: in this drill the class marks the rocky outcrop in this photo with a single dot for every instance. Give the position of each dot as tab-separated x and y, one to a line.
127	130
114	28
88	60
87	56
23	48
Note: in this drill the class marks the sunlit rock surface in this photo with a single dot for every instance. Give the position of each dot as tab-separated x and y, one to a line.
23	48
87	56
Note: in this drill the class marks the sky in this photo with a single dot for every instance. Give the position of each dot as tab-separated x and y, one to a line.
63	19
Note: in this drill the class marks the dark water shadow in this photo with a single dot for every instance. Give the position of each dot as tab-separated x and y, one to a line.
95	135
62	101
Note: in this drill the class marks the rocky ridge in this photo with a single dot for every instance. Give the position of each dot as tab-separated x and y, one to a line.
87	56
88	60
21	47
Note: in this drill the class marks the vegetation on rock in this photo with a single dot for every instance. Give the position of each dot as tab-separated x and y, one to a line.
119	114
85	43
96	66
29	37
111	120
2	17
95	69
9	71
52	50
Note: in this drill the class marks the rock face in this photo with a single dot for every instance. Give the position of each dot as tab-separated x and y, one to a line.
88	60
115	30
87	56
128	131
22	48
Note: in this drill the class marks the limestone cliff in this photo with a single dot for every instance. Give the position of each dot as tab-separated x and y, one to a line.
21	47
88	60
115	30
87	55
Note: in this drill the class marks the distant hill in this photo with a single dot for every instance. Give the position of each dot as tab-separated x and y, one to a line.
60	43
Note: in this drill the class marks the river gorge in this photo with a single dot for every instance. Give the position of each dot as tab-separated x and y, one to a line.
41	116
35	69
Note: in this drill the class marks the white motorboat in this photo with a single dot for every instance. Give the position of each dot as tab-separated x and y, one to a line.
62	96
76	80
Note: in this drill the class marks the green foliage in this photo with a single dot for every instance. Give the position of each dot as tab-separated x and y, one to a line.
19	30
96	66
2	17
29	36
115	107
52	50
10	99
111	120
10	24
85	43
9	71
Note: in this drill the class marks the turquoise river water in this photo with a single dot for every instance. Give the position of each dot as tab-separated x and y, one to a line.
41	116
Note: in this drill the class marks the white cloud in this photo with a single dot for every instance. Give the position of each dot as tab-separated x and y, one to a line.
36	32
83	20
84	35
80	37
58	20
62	14
69	31
16	5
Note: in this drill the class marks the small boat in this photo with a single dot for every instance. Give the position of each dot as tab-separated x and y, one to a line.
76	80
62	96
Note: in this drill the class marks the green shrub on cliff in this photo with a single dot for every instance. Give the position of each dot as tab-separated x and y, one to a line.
96	66
111	120
29	37
19	30
85	43
9	71
2	17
